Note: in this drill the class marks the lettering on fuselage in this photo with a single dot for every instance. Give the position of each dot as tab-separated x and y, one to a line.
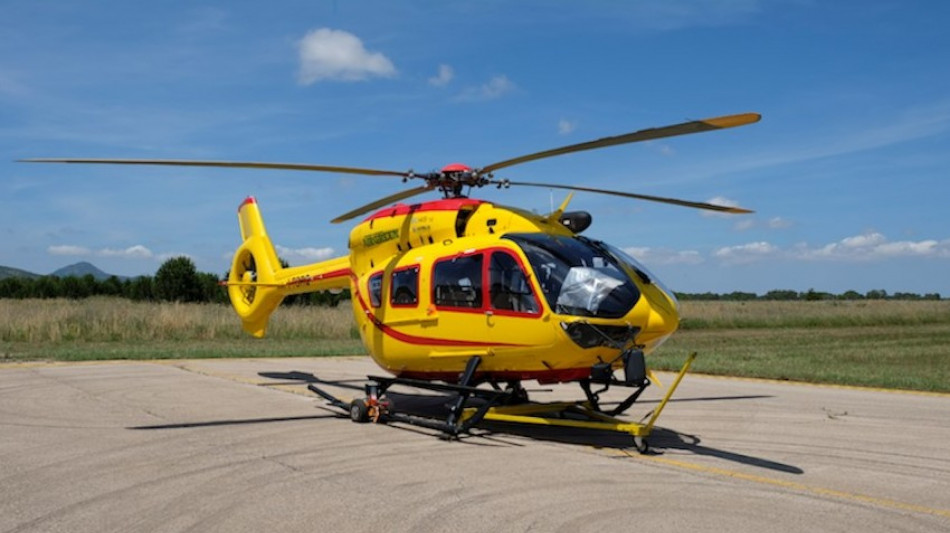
380	237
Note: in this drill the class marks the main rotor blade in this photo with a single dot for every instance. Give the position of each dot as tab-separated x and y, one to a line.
674	201
228	164
382	202
695	126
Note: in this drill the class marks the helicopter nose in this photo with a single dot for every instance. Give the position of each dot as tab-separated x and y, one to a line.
662	321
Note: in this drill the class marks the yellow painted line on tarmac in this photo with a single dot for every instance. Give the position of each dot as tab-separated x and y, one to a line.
885	503
816	385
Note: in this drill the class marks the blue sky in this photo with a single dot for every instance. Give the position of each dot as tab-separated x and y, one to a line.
847	171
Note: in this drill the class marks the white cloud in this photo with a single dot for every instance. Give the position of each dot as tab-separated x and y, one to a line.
867	247
565	126
328	54
719	200
445	75
747	223
67	249
872	246
665	256
666	149
861	241
133	252
779	223
746	253
296	255
496	87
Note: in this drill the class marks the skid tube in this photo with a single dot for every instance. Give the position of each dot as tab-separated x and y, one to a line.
374	407
496	406
587	415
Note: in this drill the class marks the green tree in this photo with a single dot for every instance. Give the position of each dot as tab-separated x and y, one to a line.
47	287
140	289
111	287
211	289
75	288
177	280
14	287
781	295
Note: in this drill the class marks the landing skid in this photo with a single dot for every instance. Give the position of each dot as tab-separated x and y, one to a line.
473	405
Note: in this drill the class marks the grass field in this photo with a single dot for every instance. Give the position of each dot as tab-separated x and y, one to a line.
891	344
894	344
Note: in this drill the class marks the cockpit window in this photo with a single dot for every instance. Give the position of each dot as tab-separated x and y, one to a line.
509	289
641	271
578	277
457	282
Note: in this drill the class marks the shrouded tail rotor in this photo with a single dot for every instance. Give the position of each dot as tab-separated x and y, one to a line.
251	282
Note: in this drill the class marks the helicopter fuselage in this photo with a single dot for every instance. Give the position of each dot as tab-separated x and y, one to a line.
436	283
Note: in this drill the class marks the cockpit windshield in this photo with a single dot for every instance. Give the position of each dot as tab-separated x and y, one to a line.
578	276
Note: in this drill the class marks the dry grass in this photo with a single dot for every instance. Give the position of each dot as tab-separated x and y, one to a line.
114	319
99	328
877	343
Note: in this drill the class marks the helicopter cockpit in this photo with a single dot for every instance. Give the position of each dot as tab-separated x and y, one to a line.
580	276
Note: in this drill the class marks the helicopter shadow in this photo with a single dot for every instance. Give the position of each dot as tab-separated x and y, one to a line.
435	405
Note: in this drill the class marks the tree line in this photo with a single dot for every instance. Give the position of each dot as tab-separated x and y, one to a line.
176	280
807	296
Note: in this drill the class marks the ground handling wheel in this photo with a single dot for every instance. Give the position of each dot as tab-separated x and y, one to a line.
642	445
359	411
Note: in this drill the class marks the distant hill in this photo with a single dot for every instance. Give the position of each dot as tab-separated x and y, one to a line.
78	270
10	272
81	269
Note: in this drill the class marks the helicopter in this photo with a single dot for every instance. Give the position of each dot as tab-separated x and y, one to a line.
452	293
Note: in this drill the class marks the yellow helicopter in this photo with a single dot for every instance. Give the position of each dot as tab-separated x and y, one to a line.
456	292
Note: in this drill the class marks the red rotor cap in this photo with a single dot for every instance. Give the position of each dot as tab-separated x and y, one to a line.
456	167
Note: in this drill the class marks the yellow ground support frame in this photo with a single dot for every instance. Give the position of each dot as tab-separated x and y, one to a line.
580	414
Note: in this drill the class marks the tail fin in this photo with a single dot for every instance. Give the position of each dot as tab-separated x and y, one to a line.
257	283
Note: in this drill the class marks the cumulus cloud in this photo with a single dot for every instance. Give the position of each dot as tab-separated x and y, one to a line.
665	256
494	88
133	252
779	223
445	75
747	223
68	249
293	255
872	246
328	54
869	246
565	126
746	253
723	201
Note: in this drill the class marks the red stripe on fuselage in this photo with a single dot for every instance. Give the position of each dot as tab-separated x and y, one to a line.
413	339
319	277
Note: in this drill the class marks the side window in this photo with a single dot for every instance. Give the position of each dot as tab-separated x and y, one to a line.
509	289
457	282
405	286
376	289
